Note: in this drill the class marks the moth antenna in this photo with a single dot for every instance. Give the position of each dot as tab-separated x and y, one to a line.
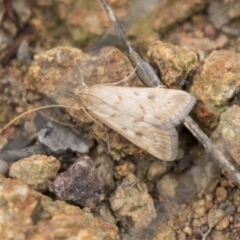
59	122
123	80
103	84
108	143
30	111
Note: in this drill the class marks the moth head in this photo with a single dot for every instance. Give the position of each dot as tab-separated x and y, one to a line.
77	92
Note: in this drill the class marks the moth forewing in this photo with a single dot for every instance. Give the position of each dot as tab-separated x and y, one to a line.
145	116
160	143
164	108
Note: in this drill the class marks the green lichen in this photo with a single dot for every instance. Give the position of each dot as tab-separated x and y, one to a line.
80	36
196	9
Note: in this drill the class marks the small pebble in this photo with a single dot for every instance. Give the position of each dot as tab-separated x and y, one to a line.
236	197
204	228
182	236
221	194
156	170
188	231
3	168
224	182
3	142
221	41
222	206
204	220
224	223
196	223
167	185
199	208
209	30
80	184
123	169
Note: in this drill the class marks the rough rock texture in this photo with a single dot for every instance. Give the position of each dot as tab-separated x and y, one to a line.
175	63
123	169
3	168
79	183
221	12
132	204
227	134
19	209
169	13
180	189
58	217
157	169
166	232
36	171
59	138
66	227
22	9
104	165
215	84
200	45
27	214
167	185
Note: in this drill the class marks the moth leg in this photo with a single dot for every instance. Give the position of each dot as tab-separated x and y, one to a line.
126	78
123	80
91	117
108	143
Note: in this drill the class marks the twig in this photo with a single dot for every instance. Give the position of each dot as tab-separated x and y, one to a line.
144	70
149	78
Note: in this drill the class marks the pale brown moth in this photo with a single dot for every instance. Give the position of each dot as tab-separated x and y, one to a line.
145	116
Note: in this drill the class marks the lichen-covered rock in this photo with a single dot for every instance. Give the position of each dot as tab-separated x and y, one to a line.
19	209
167	185
79	183
174	62
27	214
36	171
215	84
227	134
132	204
198	45
60	218
68	227
171	12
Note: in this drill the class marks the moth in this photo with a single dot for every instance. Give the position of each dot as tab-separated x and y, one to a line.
145	116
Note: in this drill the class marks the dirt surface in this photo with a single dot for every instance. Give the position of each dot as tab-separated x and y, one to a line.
65	175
